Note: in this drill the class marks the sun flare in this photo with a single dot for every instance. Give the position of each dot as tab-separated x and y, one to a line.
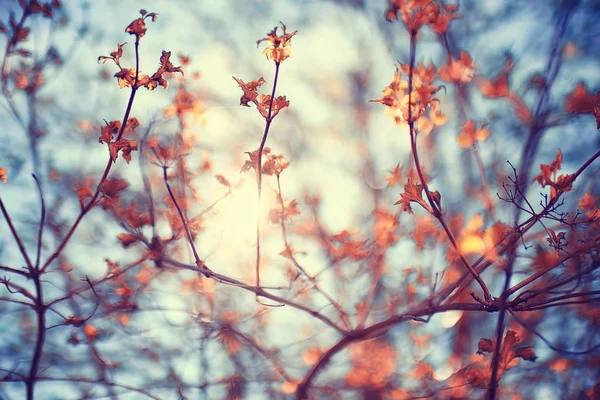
238	215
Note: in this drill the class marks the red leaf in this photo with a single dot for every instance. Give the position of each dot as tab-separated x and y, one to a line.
83	193
580	101
137	28
127	239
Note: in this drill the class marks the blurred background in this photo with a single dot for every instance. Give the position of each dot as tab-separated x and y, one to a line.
173	334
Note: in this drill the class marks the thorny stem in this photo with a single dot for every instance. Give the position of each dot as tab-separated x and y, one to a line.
435	210
259	172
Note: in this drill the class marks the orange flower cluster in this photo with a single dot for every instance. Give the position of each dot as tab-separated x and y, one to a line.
509	357
286	212
580	101
416	13
130	77
470	135
138	26
274	165
127	76
548	177
458	71
396	97
279	46
373	364
268	108
126	146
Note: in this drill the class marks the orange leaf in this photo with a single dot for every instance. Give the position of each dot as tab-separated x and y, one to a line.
412	194
279	46
275	165
469	135
250	90
144	275
311	356
124	319
113	267
458	70
127	239
229	339
521	109
137	28
124	291
580	101
422	371
90	332
373	362
510	353
108	131
289	387
424	228
385	228
223	181
560	364
396	176
498	86
83	193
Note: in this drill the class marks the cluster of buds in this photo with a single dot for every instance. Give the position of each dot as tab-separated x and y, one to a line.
266	106
396	97
278	50
279	46
131	77
416	13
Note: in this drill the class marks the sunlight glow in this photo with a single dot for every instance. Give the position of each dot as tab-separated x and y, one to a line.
238	214
443	373
450	318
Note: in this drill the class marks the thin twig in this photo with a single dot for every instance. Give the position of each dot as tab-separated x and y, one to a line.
42	223
190	238
259	172
16	235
